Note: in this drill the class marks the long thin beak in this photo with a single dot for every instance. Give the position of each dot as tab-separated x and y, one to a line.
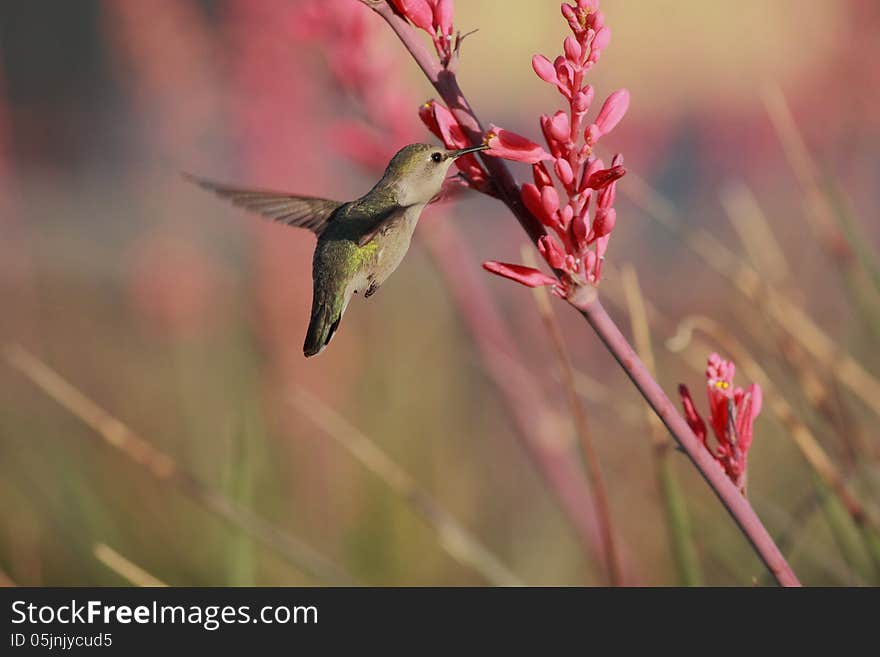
465	151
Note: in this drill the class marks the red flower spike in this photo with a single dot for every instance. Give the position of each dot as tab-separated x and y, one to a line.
732	438
511	146
571	138
527	276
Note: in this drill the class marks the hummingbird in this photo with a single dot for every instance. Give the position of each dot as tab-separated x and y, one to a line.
360	242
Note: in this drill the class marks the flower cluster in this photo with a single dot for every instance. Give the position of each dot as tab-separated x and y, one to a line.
580	224
732	412
435	18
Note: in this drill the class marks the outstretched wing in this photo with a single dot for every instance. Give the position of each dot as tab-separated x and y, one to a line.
299	211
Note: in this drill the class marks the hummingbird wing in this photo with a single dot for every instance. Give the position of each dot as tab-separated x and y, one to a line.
292	210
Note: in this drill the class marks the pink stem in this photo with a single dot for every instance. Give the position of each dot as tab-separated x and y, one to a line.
736	503
446	84
586	301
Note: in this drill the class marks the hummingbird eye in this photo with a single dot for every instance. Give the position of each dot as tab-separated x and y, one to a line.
437	157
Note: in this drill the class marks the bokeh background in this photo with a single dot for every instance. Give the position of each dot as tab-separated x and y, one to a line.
187	440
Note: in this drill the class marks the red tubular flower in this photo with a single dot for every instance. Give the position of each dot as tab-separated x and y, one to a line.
732	413
528	276
511	146
435	18
584	232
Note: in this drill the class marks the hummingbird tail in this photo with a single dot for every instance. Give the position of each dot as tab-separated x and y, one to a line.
323	324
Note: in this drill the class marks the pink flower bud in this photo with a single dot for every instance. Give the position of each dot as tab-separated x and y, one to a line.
580	229
592	134
531	198
545	69
549	200
582	99
603	224
511	146
590	263
600	42
604	177
443	16
573	49
606	196
426	114
571	16
563	171
554	145
541	175
527	276
418	12
612	111
565	216
592	167
560	129
551	252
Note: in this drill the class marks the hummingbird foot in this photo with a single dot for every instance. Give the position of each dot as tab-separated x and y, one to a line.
374	286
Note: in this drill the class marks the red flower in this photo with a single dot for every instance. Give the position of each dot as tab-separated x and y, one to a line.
583	231
511	146
732	413
435	18
528	276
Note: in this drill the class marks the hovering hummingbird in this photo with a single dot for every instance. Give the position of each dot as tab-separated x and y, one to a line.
361	242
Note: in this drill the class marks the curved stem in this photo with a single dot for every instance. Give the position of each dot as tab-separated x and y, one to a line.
735	502
585	300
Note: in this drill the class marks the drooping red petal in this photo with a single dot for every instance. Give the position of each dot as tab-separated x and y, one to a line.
528	276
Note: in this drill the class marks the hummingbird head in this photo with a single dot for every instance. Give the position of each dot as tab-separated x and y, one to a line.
417	171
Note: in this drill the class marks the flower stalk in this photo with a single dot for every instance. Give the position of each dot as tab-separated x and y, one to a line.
585	299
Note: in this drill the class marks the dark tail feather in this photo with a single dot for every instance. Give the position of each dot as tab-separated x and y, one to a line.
322	326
